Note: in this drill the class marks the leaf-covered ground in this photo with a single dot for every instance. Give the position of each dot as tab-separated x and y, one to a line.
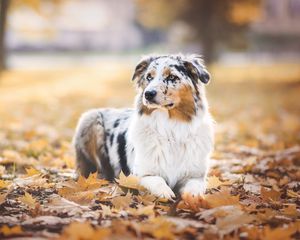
253	187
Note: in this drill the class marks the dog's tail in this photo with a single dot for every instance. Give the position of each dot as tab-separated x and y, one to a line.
88	142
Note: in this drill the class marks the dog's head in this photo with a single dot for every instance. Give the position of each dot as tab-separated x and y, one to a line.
171	82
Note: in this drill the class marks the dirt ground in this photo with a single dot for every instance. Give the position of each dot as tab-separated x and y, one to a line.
253	187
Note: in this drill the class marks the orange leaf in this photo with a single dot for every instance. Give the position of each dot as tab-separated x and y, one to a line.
268	195
7	231
221	198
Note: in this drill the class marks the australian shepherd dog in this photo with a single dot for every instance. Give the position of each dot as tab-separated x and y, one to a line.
166	139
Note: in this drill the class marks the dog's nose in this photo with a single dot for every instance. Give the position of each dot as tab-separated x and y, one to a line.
149	95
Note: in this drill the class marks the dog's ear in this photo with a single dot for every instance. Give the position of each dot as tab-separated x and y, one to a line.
142	66
196	69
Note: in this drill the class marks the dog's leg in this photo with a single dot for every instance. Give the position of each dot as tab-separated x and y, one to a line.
84	165
194	187
157	186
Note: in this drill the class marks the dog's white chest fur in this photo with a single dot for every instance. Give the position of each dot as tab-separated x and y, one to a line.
171	149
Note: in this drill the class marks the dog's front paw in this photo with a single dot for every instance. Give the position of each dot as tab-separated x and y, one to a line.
157	186
194	188
163	191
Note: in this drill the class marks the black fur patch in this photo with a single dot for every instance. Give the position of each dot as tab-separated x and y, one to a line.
106	169
182	69
122	153
111	138
116	123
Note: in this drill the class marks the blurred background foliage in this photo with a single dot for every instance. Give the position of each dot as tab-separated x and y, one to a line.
62	57
230	30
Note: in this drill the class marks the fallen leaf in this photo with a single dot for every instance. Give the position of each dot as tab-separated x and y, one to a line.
292	194
233	221
32	171
215	182
280	233
106	210
28	200
269	194
122	202
84	231
221	198
4	184
92	182
130	181
290	210
7	231
3	198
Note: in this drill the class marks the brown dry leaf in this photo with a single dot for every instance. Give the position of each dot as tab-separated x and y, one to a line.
233	221
280	233
32	171
221	198
219	212
130	181
7	231
268	195
28	200
33	181
4	184
290	210
59	204
292	194
215	182
82	198
3	197
122	202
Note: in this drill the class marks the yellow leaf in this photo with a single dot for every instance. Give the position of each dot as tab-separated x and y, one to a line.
214	182
28	200
31	171
7	231
92	182
130	181
142	210
158	227
84	231
4	184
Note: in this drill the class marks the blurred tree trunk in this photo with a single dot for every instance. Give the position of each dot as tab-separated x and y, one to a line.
3	14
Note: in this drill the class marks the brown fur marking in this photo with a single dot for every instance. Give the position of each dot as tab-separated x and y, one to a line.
185	109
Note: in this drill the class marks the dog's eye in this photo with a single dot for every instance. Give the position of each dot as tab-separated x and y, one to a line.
172	77
149	77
